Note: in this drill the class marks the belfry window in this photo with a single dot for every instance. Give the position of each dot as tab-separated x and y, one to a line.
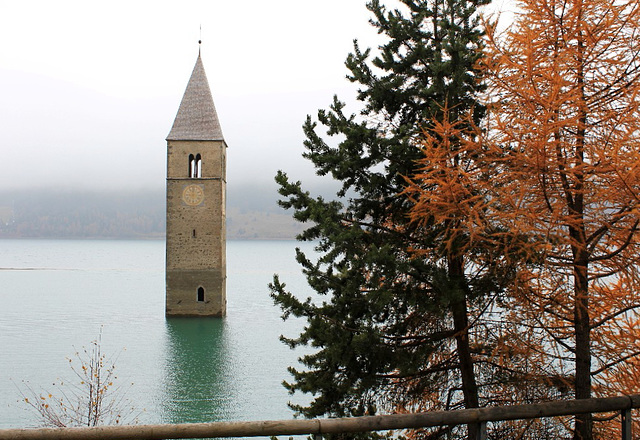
192	166
198	166
195	166
200	294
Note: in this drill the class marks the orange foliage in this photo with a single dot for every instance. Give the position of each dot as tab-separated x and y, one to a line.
567	109
551	187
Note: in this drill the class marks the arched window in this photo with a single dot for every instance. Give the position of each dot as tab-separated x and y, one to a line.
198	166
200	294
192	166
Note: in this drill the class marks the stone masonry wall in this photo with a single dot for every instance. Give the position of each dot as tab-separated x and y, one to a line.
196	241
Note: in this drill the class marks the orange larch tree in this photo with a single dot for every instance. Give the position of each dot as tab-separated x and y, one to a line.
565	92
551	188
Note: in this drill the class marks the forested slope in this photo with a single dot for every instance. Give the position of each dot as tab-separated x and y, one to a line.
138	214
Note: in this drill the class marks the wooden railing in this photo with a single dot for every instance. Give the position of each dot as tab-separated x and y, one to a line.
317	427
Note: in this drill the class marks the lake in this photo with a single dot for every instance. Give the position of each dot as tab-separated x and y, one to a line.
56	296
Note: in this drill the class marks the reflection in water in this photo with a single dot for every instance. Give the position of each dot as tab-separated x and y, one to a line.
197	372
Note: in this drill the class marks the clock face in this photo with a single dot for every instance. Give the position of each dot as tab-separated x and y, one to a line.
193	195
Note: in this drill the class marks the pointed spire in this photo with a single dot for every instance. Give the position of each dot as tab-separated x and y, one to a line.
197	119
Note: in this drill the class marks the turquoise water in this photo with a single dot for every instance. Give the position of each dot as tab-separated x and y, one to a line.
57	296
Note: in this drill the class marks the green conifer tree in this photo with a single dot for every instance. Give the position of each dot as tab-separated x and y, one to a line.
381	313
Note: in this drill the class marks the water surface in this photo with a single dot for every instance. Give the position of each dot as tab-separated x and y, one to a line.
56	296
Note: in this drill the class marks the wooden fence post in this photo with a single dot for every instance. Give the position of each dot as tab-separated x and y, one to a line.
625	416
482	431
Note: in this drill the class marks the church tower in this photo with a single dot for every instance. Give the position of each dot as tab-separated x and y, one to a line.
196	213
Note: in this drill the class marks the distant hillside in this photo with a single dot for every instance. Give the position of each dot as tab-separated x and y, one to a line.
261	225
75	214
251	214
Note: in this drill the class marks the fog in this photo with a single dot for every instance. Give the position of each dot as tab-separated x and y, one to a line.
89	90
88	93
54	133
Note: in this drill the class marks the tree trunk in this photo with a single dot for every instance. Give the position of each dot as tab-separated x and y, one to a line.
583	428
461	327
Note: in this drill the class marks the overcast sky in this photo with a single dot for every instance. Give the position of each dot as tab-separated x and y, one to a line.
89	90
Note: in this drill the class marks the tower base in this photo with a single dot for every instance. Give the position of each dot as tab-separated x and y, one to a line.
196	293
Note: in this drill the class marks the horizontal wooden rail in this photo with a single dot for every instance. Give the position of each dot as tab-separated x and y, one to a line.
328	426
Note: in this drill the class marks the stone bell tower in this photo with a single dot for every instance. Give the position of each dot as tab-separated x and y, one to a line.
196	213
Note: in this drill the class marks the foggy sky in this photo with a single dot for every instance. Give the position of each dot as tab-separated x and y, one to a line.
89	90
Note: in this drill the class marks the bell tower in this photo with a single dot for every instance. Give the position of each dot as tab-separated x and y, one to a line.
196	213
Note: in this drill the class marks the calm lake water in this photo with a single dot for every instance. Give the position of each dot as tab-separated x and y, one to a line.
56	295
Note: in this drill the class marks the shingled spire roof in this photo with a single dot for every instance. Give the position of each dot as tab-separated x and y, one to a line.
197	119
